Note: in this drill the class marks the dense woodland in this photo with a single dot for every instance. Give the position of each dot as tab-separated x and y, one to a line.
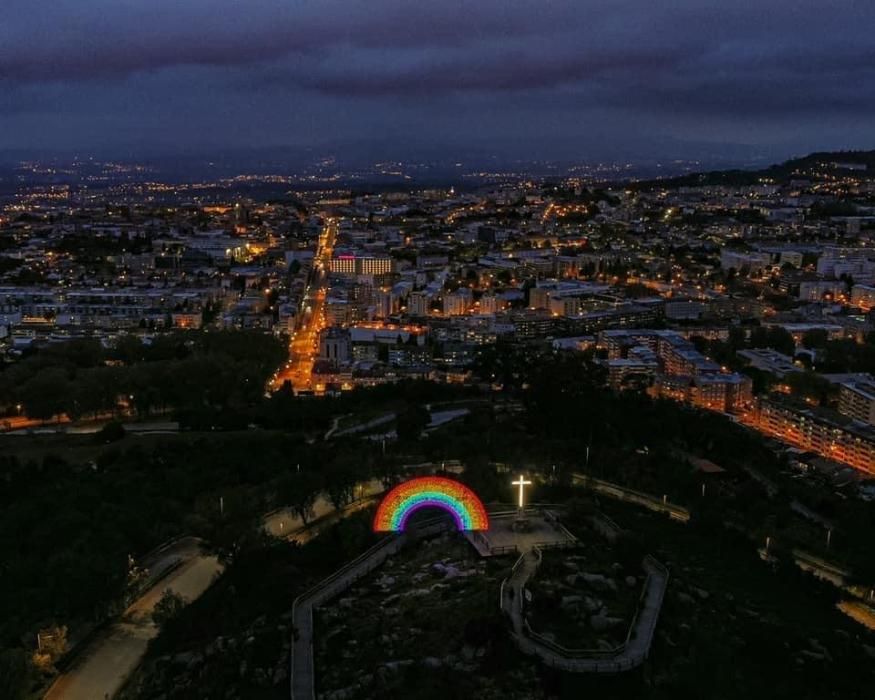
176	371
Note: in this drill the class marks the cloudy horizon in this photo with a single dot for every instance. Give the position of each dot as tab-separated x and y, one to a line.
541	78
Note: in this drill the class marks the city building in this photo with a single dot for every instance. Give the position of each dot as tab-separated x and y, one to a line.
826	433
857	401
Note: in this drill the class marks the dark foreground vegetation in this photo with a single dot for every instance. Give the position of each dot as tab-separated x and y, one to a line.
74	509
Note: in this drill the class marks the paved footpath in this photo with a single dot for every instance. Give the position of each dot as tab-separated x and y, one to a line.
286	523
108	661
105	665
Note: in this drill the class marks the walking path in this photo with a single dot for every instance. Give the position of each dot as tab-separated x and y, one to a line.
302	668
629	655
285	523
106	663
367	425
622	493
303	680
109	660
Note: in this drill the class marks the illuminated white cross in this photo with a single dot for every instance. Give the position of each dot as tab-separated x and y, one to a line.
522	483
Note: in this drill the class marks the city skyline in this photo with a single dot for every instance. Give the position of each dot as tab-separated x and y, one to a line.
513	79
437	350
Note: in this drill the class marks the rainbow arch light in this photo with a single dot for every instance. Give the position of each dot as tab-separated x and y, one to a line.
404	500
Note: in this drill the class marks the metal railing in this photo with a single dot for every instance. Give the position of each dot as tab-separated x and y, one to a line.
620	658
622	493
345	577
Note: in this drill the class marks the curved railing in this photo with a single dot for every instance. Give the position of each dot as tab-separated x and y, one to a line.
628	655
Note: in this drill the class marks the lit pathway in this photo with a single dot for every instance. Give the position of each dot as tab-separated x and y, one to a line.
109	660
621	493
286	523
858	611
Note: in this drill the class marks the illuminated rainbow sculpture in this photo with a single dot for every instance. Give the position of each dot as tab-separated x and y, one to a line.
430	492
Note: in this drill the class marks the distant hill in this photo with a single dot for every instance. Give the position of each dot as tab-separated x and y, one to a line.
814	166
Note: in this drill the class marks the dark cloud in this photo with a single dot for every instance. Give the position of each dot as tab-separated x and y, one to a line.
88	39
501	71
308	70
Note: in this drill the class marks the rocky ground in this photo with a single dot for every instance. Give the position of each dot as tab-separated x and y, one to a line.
581	602
253	664
424	625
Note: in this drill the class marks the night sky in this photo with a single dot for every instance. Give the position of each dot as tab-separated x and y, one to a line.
523	78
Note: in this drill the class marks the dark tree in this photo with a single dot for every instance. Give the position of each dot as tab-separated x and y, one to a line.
301	488
411	422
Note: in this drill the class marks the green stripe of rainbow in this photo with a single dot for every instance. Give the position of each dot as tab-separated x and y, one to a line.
405	499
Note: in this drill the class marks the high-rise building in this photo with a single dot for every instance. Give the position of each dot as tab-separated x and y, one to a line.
383	303
855	262
418	304
564	306
857	401
457	303
343	265
382	265
539	298
817	430
349	264
334	345
490	304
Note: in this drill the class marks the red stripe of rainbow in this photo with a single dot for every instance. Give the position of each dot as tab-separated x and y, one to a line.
430	491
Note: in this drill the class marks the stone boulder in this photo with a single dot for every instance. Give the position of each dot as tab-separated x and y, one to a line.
592	604
600	583
571	601
445	570
601	623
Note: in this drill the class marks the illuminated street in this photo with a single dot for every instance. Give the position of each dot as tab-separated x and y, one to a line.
304	346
